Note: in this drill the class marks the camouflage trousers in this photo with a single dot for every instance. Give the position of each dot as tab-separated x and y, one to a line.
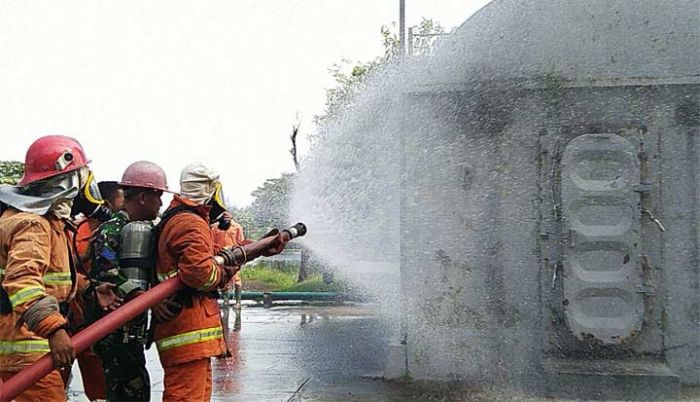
126	376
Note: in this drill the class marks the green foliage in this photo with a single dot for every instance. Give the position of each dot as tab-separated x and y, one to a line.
271	200
315	284
263	277
11	172
350	77
269	208
244	216
425	35
271	203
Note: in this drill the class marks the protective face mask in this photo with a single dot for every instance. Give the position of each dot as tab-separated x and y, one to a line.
47	195
218	207
89	201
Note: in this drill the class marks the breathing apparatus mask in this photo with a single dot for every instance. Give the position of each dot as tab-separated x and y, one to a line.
218	209
89	201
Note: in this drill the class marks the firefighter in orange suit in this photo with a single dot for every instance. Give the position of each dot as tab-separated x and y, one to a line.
231	237
188	337
38	265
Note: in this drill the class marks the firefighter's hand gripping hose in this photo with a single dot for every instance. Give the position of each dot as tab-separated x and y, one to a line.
272	243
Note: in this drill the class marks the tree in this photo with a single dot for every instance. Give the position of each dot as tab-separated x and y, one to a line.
11	172
271	202
424	37
350	83
350	77
353	169
270	209
244	216
294	151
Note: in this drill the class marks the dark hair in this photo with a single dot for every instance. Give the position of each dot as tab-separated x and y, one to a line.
108	189
130	192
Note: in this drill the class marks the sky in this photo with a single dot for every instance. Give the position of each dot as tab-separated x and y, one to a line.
175	82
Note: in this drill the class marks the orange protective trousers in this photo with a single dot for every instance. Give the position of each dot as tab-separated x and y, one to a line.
92	371
187	382
48	389
93	375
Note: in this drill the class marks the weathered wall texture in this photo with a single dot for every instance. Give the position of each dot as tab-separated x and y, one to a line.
546	132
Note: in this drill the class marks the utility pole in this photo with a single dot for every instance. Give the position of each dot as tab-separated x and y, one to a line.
402	26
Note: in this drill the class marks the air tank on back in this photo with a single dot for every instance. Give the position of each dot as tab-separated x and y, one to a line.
136	260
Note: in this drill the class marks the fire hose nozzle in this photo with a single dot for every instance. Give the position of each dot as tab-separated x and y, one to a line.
297	230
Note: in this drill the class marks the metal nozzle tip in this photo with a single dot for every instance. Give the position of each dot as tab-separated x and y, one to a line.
301	229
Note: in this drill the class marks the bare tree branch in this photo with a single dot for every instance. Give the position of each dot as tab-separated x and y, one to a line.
293	137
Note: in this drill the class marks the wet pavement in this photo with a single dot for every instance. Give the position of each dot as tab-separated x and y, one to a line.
311	353
294	353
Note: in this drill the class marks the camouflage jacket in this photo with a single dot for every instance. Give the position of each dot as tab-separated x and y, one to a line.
105	253
105	268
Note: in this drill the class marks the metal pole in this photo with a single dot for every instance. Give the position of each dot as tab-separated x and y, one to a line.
402	26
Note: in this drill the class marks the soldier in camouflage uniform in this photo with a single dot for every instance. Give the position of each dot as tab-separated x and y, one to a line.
122	351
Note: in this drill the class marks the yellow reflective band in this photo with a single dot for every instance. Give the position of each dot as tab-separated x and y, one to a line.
188	338
16	347
57	278
212	277
167	275
27	294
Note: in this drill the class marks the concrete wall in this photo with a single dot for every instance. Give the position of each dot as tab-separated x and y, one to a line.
484	240
468	243
481	241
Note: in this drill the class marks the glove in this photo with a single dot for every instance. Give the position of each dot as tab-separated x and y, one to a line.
229	257
228	273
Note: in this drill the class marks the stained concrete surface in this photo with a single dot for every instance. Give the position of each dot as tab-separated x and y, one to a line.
312	353
294	353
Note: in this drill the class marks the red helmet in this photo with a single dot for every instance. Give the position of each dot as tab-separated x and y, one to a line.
144	174
50	156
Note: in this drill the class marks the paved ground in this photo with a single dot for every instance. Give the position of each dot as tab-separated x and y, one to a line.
294	353
288	353
310	353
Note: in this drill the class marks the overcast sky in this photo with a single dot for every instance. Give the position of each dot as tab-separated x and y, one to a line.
172	81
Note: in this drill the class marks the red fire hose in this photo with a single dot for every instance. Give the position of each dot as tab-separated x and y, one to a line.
87	337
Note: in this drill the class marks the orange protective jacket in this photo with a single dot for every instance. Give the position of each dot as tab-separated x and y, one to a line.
83	240
34	259
185	248
79	305
229	238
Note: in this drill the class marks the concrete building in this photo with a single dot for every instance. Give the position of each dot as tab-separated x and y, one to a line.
564	246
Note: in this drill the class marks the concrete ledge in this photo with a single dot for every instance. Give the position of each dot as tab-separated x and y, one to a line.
638	379
395	366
